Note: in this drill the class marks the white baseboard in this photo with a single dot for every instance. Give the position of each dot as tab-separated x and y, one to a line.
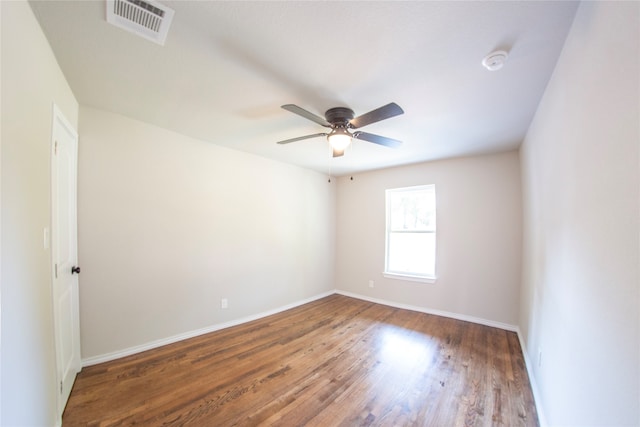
532	380
170	340
456	316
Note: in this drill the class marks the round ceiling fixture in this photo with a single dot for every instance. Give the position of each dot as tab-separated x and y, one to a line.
495	60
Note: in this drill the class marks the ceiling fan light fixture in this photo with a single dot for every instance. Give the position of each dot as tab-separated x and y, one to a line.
339	138
341	120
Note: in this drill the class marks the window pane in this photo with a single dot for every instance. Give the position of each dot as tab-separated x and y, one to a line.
413	210
412	253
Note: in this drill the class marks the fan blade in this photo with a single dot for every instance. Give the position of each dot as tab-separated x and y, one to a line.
307	115
300	138
338	153
382	113
377	139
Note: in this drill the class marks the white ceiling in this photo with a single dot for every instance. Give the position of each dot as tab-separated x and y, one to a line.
227	67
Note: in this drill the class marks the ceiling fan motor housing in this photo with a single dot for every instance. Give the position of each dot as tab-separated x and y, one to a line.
339	115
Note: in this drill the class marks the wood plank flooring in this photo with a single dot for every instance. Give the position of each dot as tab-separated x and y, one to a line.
337	361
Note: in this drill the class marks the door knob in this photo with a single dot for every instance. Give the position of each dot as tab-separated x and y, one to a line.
75	269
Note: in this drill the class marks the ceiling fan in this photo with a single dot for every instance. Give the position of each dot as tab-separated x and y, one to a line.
341	120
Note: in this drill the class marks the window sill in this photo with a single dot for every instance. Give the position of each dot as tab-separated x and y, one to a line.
409	277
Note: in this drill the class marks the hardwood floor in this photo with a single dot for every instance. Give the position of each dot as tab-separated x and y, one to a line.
337	361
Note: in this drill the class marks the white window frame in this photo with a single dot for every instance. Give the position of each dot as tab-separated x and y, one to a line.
415	277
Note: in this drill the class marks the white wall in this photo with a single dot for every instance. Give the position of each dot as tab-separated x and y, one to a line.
478	237
580	297
169	225
31	83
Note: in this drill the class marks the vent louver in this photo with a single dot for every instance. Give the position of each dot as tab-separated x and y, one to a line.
146	18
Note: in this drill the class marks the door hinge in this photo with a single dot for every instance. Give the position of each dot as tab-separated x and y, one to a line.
55	148
56	270
60	387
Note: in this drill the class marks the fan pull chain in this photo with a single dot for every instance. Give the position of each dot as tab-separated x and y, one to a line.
352	154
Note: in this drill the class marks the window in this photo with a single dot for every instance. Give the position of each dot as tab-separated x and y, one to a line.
411	233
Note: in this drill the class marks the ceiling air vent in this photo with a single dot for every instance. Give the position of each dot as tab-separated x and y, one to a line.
148	19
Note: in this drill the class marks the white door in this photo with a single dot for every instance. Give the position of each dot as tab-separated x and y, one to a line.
64	252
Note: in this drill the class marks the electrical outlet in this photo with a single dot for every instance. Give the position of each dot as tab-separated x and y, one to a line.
371	283
46	238
224	303
539	357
